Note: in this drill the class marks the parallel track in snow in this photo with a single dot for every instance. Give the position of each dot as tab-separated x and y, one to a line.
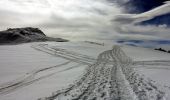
32	77
88	60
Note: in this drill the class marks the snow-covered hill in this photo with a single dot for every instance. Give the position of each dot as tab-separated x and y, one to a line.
40	70
23	35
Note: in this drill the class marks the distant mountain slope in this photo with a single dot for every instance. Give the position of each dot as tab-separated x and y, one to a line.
24	35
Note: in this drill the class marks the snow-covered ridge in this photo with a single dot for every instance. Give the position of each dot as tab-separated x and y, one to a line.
23	35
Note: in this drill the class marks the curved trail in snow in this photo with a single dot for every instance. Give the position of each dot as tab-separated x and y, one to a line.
105	81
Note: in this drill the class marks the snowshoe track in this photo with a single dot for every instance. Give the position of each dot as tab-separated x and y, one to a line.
109	77
105	81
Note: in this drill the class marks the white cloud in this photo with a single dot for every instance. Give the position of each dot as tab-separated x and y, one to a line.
74	19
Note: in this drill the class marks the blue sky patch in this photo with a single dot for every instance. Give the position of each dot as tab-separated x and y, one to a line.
140	6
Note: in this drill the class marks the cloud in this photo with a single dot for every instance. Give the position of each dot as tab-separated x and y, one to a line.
76	19
128	23
136	18
141	6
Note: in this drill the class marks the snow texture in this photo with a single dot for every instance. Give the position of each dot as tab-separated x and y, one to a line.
86	70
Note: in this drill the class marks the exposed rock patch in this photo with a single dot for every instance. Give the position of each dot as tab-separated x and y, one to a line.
24	35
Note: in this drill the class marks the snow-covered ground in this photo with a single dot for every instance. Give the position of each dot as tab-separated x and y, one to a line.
37	70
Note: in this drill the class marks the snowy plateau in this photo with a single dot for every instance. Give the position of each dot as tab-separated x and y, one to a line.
83	71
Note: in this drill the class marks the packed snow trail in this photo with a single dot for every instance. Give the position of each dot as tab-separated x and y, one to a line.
103	81
109	62
88	60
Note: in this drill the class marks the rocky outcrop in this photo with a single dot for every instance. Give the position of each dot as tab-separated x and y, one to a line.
163	50
24	35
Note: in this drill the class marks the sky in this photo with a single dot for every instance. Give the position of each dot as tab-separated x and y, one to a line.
140	6
90	19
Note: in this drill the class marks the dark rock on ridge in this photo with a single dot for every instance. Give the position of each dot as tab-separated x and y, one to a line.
24	35
163	50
